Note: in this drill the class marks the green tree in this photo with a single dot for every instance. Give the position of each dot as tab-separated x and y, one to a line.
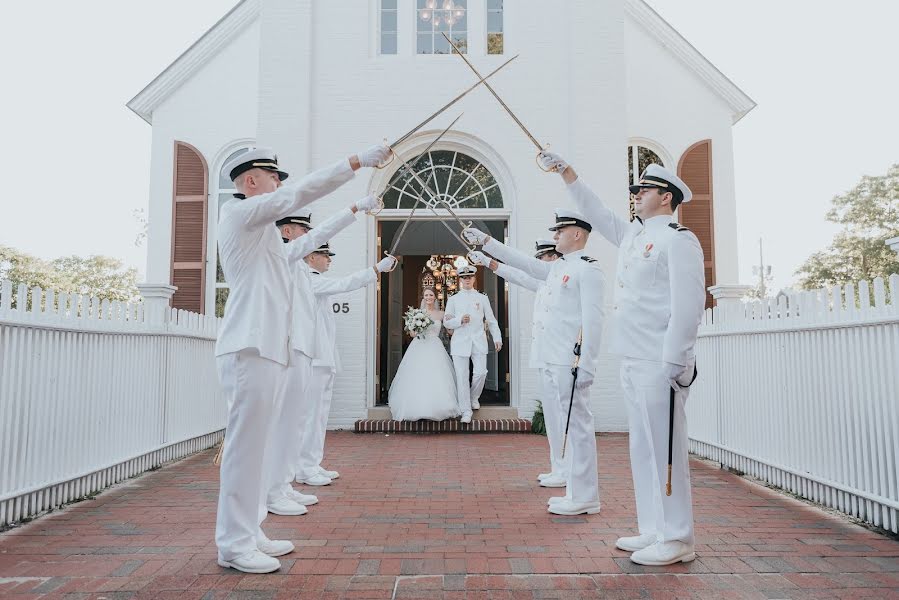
101	276
869	214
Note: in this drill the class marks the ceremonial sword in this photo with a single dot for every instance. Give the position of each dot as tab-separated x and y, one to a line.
409	133
396	176
671	427
540	147
574	370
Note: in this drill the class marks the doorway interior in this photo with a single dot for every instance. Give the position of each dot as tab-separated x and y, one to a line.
426	240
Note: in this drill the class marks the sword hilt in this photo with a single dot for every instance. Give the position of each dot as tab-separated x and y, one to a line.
388	161
377	211
395	261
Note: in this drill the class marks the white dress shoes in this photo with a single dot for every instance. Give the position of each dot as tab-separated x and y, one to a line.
636	542
475	405
283	505
274	547
316	479
299	498
664	553
252	562
553	481
569	508
327	473
556	499
543	476
466	418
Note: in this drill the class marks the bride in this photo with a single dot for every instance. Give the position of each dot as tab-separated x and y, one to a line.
425	386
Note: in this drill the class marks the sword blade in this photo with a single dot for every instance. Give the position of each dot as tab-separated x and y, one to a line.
401	171
495	95
483	80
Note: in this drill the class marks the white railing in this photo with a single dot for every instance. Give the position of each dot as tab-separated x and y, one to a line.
803	393
95	392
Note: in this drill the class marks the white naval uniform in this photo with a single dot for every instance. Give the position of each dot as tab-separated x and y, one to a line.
297	404
551	410
571	303
469	343
325	365
252	350
658	305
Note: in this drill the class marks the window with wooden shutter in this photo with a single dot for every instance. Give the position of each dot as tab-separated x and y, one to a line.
695	168
189	229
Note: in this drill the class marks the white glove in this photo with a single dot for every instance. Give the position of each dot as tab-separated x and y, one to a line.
474	236
385	264
584	379
374	156
366	204
479	258
552	162
677	375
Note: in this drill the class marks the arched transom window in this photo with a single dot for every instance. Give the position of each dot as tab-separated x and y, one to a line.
455	177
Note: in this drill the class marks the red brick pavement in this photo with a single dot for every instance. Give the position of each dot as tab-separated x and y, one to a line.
443	517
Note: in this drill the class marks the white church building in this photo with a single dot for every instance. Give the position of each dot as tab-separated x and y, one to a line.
608	84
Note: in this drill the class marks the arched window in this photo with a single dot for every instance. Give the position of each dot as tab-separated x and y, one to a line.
638	158
455	177
226	191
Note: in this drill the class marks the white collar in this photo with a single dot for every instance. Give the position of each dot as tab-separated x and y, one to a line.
658	222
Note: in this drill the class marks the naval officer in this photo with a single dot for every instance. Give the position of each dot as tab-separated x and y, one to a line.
570	324
658	305
252	349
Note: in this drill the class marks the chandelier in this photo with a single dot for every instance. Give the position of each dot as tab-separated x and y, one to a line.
448	12
441	273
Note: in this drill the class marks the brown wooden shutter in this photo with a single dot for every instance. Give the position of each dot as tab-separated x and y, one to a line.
695	168
189	229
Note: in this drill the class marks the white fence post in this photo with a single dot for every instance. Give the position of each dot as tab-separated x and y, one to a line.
729	299
157	297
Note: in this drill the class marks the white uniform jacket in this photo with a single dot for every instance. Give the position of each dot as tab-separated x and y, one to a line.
258	310
470	338
326	354
569	302
660	284
522	279
303	329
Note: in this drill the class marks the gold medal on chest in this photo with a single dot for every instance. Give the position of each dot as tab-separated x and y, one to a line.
647	250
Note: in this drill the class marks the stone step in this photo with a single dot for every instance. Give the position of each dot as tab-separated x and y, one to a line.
448	426
382	413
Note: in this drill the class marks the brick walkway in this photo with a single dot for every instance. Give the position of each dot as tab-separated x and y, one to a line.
443	516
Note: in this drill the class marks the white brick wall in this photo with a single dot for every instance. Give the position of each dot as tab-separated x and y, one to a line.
323	93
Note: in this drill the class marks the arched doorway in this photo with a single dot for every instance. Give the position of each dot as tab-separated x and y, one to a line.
425	249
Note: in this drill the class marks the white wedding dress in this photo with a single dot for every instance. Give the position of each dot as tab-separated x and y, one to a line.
425	383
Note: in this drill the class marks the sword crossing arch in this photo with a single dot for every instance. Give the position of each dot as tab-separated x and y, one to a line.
460	180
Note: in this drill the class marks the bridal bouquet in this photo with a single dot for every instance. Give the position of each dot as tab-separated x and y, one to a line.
417	321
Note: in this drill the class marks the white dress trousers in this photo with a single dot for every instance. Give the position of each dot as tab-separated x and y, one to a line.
464	392
296	406
312	446
579	465
647	393
250	386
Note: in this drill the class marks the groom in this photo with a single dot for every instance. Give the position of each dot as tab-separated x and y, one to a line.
469	340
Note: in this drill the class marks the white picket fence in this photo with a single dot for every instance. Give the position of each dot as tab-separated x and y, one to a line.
802	393
93	392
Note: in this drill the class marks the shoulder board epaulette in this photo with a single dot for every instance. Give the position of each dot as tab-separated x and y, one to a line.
678	227
588	259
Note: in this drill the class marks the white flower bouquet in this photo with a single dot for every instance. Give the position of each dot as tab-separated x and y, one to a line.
417	322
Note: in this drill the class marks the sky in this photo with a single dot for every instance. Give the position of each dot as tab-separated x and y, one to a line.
820	72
